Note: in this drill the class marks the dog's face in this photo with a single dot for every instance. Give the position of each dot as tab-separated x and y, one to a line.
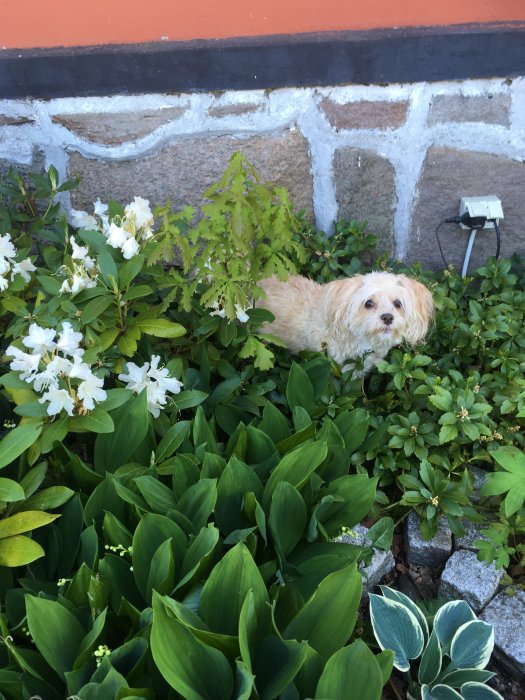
383	309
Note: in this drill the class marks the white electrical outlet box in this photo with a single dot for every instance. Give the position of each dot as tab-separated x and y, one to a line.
488	206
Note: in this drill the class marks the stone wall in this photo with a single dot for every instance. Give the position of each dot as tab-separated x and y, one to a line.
398	156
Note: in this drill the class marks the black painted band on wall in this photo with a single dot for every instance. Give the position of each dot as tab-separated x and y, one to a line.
404	55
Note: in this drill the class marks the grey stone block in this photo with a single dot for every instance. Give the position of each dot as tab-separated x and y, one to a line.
113	128
182	171
466	578
487	109
365	191
480	477
449	174
427	552
381	564
365	114
472	533
507	615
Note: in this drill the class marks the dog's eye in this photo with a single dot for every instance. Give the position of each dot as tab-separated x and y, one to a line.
369	304
397	303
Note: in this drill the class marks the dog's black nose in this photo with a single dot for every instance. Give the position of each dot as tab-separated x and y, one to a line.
387	318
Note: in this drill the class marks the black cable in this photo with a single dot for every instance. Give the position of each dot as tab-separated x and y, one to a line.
450	220
498	238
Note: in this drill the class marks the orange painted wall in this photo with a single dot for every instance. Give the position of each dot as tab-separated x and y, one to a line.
46	23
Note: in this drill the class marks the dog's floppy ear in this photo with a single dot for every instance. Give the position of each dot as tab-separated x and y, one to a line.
419	309
338	300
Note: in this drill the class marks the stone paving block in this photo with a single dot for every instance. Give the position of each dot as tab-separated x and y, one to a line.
422	552
449	174
365	114
507	615
113	128
382	562
480	477
365	191
466	578
182	171
487	109
472	533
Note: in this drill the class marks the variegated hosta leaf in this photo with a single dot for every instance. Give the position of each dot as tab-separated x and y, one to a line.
396	628
478	691
449	619
431	660
439	692
405	600
472	645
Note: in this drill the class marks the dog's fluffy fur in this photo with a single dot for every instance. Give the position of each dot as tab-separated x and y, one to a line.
361	316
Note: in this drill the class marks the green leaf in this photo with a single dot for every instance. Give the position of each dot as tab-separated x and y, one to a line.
196	671
296	468
397	628
19	550
287	519
172	440
198	502
478	691
17	441
328	618
131	425
47	499
24	522
226	588
160	327
352	672
381	533
56	632
96	421
10	490
299	389
447	433
129	270
96	307
449	618
54	432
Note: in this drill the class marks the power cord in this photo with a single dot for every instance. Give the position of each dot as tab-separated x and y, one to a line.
474	223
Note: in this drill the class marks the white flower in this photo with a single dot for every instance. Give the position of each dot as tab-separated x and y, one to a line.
241	314
77	283
156	382
24	362
41	340
68	339
3	284
58	399
100	209
5	266
79	251
82	220
136	378
161	376
130	248
80	369
117	236
147	233
49	377
23	268
90	390
7	249
139	212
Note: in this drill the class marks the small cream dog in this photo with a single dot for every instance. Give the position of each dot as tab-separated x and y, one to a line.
361	316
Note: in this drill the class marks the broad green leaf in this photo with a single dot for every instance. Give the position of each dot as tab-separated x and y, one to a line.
234	483
328	618
299	389
351	673
393	594
287	519
96	307
196	671
129	270
349	500
456	679
47	499
199	555
17	441
397	628
161	575
353	426
472	645
10	491
56	632
172	440
19	550
296	468
160	327
276	665
381	533
96	421
226	588
24	522
54	432
198	502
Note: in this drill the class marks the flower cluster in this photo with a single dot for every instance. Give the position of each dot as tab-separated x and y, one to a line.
240	313
84	270
126	232
156	382
8	265
56	370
